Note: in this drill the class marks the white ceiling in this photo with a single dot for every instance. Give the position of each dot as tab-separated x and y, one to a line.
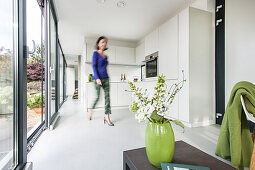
88	18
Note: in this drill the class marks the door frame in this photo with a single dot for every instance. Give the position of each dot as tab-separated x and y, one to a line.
36	133
50	8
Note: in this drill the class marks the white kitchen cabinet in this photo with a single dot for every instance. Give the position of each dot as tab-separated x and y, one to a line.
168	48
116	54
185	43
149	85
151	43
111	53
147	45
114	94
140	53
195	58
90	50
124	97
118	96
125	55
91	96
173	109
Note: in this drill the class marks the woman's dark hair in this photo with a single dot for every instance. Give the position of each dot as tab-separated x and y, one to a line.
98	40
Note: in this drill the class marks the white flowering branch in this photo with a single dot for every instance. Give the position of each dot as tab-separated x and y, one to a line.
154	108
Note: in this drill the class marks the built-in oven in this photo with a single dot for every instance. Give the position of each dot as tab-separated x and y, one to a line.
151	65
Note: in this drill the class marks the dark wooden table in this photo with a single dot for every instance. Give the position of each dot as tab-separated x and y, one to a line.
184	153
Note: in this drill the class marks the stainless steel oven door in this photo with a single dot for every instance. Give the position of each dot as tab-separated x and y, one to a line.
151	68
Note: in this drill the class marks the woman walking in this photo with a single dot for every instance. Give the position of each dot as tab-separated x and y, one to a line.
99	64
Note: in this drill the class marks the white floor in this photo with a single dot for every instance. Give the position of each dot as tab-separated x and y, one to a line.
79	144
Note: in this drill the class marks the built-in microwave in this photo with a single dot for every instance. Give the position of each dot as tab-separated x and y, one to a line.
151	65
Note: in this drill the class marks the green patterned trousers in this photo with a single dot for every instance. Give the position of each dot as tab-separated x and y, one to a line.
106	88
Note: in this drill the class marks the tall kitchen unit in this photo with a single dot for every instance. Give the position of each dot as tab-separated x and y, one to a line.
196	99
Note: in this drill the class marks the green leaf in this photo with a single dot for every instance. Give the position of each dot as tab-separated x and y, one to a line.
177	122
156	117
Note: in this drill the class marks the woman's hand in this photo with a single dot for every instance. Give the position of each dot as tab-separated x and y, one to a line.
99	82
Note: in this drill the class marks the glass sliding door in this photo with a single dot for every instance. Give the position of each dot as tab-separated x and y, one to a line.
35	67
52	64
65	66
61	76
8	58
43	63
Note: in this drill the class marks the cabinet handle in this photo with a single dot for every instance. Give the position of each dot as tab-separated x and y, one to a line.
218	21
218	8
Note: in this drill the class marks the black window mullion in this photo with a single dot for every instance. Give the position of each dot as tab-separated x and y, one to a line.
53	12
22	86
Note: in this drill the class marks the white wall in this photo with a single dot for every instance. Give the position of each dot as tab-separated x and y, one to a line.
240	42
79	78
76	71
70	81
82	74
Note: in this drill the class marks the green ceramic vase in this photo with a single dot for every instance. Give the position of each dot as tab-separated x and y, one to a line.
159	141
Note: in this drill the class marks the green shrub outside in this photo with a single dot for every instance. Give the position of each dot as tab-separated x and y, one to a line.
35	101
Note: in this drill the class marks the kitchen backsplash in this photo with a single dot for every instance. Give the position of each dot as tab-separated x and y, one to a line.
130	72
115	72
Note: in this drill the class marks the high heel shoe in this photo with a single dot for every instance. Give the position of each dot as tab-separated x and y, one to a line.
109	124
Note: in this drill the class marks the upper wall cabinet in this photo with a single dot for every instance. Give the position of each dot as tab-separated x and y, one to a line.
151	43
168	48
139	53
125	55
111	53
116	55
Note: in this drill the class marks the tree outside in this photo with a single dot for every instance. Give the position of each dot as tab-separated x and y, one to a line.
35	86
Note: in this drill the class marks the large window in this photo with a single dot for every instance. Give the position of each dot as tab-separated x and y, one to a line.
53	57
62	75
8	55
18	114
65	67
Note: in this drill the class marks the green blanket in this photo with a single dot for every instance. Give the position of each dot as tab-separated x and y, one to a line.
235	141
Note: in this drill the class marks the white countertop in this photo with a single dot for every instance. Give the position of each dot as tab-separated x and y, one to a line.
145	80
128	81
112	82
